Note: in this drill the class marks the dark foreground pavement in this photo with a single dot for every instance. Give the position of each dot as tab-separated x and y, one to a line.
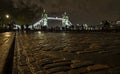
6	40
67	53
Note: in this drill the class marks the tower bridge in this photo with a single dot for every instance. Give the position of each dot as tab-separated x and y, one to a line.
44	21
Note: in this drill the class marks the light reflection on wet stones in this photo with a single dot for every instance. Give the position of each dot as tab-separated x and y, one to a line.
97	67
69	54
59	64
45	62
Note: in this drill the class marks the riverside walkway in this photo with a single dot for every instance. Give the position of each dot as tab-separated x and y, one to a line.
67	53
6	52
59	53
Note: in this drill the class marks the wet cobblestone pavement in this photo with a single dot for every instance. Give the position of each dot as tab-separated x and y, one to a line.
67	53
6	40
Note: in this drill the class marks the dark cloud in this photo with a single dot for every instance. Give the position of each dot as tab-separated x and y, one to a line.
80	11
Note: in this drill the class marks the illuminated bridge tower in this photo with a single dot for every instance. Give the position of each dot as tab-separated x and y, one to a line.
44	21
65	20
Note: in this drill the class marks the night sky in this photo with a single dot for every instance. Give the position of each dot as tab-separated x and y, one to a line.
80	11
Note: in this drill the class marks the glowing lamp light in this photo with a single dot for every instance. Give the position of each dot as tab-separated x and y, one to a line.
56	17
7	16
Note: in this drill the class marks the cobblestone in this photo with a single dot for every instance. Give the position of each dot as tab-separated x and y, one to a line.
6	40
81	64
68	53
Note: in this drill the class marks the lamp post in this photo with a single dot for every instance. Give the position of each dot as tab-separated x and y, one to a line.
7	16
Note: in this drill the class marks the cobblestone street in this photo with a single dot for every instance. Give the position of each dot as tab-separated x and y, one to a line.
67	53
6	40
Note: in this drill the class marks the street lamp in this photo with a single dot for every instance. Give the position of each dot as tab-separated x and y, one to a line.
7	16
